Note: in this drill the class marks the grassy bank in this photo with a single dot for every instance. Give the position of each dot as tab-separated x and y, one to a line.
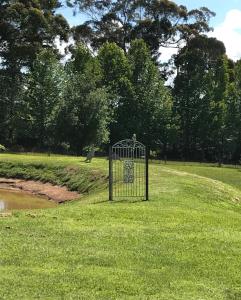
71	172
182	244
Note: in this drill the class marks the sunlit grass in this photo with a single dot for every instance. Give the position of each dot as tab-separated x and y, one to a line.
182	244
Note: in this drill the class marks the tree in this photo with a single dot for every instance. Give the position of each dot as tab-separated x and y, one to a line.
157	22
116	77
85	114
152	102
233	116
141	103
199	93
11	92
44	97
26	27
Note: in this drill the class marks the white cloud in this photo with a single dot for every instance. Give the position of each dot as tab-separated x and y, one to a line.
61	45
166	53
229	32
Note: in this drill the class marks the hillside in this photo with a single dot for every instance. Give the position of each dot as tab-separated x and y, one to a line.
182	244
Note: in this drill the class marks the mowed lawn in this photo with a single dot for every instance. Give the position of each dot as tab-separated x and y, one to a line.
185	243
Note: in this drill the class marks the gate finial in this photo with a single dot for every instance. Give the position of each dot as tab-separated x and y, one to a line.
134	137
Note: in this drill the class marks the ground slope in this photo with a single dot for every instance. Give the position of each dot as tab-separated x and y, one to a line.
183	244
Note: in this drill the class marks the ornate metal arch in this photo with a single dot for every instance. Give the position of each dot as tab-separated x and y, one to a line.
129	143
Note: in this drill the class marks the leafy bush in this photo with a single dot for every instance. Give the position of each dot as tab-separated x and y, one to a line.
2	148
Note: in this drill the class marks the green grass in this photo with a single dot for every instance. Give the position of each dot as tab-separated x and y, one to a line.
183	244
226	174
71	172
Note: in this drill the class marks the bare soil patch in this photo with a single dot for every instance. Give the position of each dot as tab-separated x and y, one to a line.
58	194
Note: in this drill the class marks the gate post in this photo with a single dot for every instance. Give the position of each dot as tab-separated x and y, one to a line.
147	173
110	175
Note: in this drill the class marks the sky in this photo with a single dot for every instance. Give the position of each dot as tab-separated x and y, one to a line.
226	24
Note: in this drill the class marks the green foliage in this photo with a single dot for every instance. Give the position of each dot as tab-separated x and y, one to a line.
11	103
199	93
233	116
113	87
152	101
158	23
65	105
85	113
25	27
116	77
115	66
44	97
141	103
2	148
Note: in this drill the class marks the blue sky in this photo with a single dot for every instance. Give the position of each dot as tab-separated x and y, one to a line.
226	24
220	7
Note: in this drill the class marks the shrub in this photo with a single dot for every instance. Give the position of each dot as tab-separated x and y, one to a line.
2	148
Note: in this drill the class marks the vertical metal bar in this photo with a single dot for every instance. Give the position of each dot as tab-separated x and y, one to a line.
115	156
139	172
110	175
127	184
147	174
123	186
122	154
115	170
115	174
143	173
134	182
120	175
131	184
119	171
135	171
130	158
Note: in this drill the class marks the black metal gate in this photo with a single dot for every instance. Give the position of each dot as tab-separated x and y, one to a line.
128	170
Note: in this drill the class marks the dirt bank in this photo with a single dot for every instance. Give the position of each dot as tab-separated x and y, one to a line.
58	194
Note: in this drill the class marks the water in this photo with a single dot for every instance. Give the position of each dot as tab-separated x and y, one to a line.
10	200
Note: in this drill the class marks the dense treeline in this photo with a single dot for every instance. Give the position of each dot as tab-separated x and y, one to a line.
112	84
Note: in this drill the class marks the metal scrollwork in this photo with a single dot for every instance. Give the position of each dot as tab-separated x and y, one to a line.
128	174
129	143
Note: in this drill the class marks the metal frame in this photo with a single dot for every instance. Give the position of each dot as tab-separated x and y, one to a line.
128	170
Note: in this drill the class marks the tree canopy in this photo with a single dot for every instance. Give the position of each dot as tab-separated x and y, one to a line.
158	22
26	27
111	84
